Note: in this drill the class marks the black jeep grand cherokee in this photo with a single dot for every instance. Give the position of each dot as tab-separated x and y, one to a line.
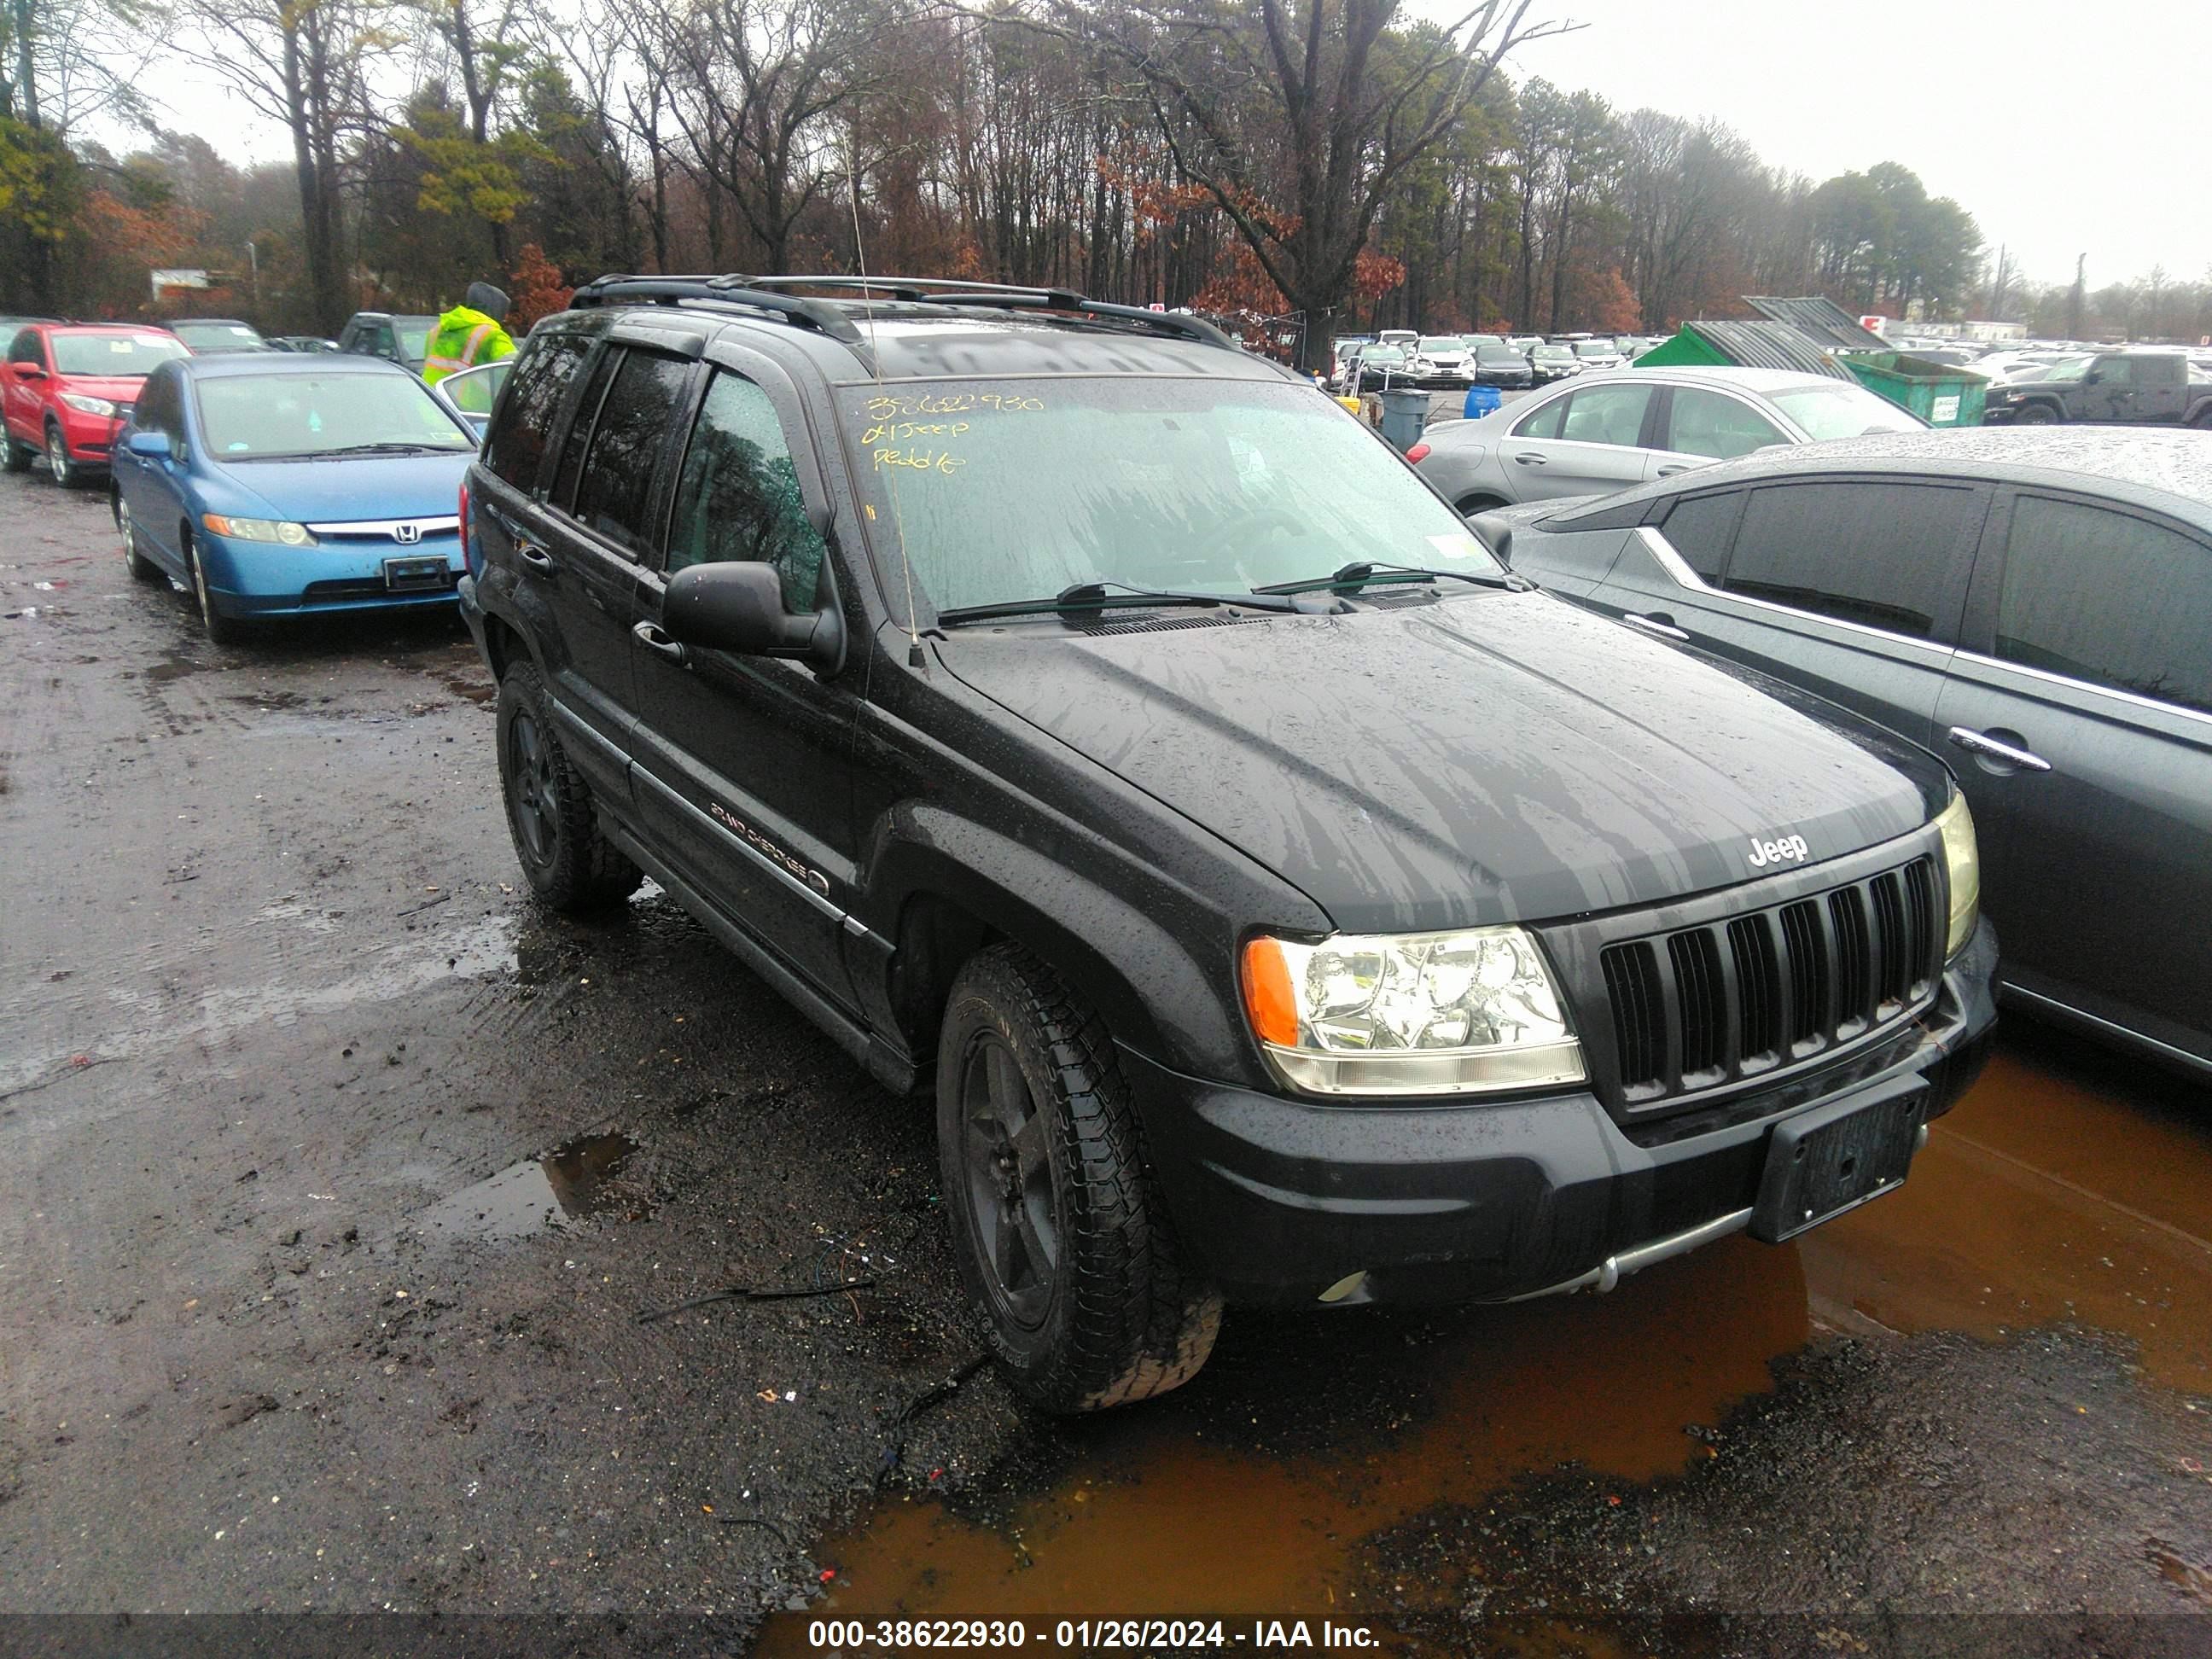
1087	723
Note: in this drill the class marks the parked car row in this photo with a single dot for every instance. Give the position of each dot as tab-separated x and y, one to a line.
1447	361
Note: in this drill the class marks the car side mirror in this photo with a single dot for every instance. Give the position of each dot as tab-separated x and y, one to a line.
28	371
153	446
739	606
2094	377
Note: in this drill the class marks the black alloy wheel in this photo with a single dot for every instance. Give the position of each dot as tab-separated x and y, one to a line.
533	796
566	859
1008	1178
2035	414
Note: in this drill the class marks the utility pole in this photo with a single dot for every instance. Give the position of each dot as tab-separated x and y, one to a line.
253	259
2073	300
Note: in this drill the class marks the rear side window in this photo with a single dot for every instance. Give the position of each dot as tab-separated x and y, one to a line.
1702	422
2158	371
737	496
627	441
1698	528
1876	552
2109	598
1607	414
1545	422
516	449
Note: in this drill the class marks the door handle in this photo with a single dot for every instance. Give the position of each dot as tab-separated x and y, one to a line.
535	558
1529	458
1656	627
1669	472
1982	743
649	635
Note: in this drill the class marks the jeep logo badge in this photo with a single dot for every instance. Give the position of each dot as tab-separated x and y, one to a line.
407	534
1787	850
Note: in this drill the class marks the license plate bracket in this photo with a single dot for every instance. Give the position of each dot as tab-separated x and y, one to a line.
428	572
1835	1159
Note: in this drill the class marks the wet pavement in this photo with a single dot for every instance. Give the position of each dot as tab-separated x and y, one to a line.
370	1240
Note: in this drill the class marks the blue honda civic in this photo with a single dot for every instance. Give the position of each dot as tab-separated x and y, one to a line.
277	486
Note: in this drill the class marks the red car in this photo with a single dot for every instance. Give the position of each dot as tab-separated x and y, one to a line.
68	387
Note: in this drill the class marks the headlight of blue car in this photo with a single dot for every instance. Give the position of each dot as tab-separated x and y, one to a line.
259	530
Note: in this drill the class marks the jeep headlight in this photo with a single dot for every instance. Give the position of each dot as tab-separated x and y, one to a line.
1962	859
259	530
1460	1013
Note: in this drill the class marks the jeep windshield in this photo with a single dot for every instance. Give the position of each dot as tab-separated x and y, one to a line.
1020	489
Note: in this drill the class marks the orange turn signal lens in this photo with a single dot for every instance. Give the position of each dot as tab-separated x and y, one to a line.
1269	1002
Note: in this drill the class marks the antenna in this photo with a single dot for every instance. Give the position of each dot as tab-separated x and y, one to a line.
914	655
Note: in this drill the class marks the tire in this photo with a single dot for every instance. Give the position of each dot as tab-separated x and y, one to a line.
1475	504
17	456
219	629
1063	1240
568	864
2035	414
140	568
63	470
2203	419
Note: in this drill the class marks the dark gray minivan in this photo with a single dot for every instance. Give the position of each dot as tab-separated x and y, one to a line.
2036	606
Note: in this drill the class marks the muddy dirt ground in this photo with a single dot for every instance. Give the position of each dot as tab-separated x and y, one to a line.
349	1205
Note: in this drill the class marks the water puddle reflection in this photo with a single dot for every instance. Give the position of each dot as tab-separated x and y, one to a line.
556	1190
2068	1186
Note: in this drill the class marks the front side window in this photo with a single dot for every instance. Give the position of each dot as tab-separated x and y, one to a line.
627	440
1607	414
1879	553
155	410
256	416
515	447
25	349
737	496
1705	422
1017	489
121	356
2109	598
414	337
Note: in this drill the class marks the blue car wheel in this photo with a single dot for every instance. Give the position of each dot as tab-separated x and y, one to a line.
220	630
144	568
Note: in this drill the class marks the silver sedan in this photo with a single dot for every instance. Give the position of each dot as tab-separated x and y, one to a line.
1603	432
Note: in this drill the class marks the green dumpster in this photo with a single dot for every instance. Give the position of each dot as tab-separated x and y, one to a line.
1938	393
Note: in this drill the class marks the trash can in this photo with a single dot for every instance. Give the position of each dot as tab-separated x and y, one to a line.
1404	415
1481	400
1937	392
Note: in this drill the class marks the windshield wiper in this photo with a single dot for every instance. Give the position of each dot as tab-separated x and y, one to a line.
1360	572
391	448
1093	596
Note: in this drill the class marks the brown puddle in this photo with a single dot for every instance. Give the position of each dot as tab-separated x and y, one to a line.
2067	1187
565	1185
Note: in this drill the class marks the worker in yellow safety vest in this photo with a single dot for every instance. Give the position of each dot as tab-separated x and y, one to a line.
470	333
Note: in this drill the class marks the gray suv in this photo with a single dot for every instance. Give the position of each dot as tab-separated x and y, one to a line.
2036	606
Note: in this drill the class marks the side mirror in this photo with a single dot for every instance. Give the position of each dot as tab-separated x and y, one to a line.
28	371
739	606
2094	377
153	446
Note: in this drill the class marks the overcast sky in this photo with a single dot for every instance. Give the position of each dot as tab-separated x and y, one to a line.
2063	127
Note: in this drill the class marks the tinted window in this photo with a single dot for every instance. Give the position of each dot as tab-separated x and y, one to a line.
1607	414
157	409
1545	422
737	496
580	431
25	348
516	450
2110	598
626	442
1880	554
1698	528
1707	424
2158	371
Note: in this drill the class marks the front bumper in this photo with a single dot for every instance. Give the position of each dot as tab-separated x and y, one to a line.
90	439
268	579
1280	1199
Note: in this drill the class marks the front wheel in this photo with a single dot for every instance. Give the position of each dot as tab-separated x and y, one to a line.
144	568
570	865
220	630
2035	414
1062	1239
60	466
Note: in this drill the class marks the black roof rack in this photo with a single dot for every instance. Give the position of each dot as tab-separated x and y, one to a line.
954	291
767	294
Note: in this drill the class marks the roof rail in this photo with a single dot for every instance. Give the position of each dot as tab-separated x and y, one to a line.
953	291
726	290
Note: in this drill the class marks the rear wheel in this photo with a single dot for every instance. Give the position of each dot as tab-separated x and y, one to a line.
58	464
2035	414
1062	1239
2203	419
570	865
127	529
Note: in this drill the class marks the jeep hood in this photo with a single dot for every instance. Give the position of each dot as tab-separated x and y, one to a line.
1494	757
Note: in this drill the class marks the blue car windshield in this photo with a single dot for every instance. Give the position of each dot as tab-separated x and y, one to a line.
271	415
